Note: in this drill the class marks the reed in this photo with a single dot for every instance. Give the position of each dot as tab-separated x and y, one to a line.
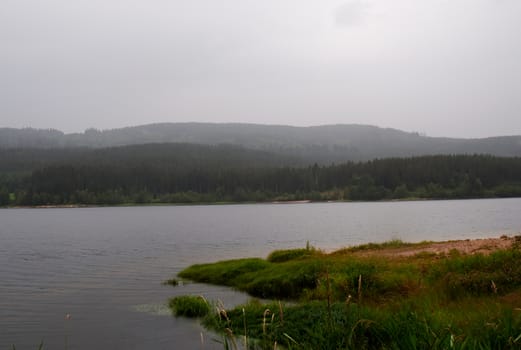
40	347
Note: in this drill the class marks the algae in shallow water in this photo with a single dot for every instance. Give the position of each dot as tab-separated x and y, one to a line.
153	309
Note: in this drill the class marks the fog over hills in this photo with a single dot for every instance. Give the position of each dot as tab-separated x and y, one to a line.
323	144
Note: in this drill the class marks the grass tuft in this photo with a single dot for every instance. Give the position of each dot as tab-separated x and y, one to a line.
189	306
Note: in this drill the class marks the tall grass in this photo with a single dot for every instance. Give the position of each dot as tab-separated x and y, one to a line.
347	326
459	276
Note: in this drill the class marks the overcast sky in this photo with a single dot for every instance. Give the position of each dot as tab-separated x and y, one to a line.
440	67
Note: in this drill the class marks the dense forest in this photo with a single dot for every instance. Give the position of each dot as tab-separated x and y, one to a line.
186	173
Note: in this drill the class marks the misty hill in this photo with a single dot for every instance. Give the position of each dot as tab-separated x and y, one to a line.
172	155
323	144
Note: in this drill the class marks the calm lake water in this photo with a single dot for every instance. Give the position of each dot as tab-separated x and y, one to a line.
104	266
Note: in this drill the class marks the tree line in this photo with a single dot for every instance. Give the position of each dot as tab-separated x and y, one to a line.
227	175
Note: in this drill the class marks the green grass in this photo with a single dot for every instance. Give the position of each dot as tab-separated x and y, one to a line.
227	273
305	276
189	306
291	254
409	325
499	272
352	300
392	244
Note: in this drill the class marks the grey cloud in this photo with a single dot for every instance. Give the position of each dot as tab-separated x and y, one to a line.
442	67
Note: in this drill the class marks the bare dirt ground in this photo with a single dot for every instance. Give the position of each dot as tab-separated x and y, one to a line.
468	246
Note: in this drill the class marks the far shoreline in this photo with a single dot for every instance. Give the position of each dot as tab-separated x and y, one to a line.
291	202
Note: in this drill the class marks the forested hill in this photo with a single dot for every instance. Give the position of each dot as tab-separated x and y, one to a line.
321	144
179	155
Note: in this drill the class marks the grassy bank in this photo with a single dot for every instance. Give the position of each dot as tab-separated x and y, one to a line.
372	296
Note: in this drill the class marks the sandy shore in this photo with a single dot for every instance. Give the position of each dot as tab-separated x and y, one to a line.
468	246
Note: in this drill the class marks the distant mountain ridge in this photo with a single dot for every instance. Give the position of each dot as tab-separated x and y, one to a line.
322	144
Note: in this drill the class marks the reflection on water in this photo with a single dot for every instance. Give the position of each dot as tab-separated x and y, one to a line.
104	266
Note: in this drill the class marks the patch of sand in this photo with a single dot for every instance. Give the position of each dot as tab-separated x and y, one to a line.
468	246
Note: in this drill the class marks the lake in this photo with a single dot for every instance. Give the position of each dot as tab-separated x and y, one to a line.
104	266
